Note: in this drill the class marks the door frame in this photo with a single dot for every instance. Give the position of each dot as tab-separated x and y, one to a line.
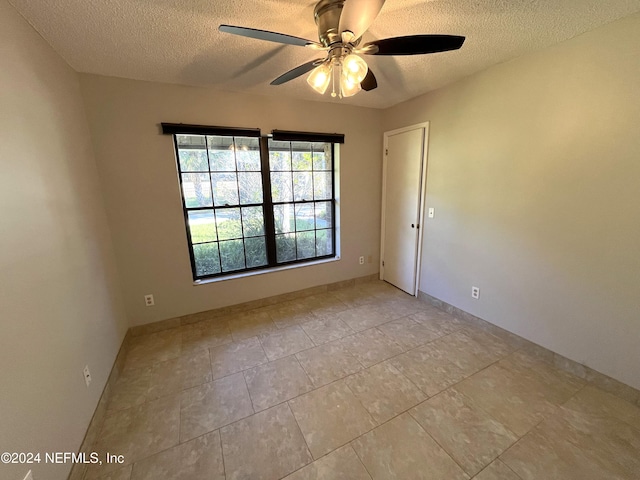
423	193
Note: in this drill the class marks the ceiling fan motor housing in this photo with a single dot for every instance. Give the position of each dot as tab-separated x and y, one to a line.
327	16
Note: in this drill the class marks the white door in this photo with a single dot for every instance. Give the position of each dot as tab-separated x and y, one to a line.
404	167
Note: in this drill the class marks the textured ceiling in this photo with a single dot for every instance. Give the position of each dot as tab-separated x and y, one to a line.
177	41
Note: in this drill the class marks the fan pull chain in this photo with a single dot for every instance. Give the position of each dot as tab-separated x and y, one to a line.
333	81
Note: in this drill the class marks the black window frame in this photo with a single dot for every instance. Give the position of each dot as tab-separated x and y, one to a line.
267	201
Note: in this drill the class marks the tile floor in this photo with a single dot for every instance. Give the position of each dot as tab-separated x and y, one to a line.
360	383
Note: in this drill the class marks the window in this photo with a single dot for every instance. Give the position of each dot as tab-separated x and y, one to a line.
255	202
302	199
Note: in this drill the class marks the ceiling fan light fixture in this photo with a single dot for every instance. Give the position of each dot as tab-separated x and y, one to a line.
345	73
320	78
348	88
354	68
341	25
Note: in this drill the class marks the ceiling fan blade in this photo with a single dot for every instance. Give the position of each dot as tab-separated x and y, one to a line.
369	82
358	15
296	72
266	35
414	45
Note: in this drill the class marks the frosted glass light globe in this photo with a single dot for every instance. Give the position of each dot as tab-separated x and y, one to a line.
320	77
354	68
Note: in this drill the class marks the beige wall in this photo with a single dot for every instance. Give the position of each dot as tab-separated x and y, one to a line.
60	307
534	172
140	184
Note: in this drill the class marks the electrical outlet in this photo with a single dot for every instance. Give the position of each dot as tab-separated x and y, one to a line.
475	292
87	375
148	300
361	260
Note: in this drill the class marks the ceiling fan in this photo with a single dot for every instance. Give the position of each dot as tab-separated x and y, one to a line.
341	24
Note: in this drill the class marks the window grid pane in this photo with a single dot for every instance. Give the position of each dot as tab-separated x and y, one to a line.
250	187
225	189
255	251
202	225
247	152
306	244
324	242
221	154
196	190
207	258
281	187
252	221
302	186
232	255
286	247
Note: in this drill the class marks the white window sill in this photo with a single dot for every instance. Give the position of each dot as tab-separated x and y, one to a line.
266	270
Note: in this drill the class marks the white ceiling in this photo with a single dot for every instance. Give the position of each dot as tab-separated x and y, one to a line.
177	41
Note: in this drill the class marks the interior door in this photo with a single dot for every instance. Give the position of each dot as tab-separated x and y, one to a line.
402	206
